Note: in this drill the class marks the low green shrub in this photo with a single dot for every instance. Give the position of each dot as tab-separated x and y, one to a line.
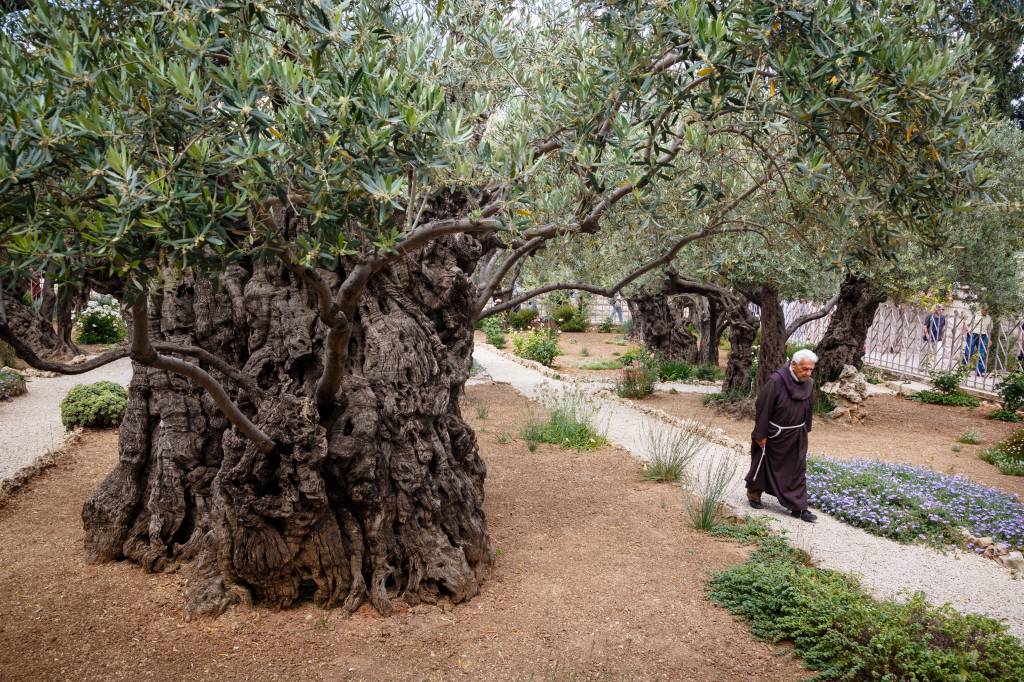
94	405
750	530
947	385
636	382
521	319
872	374
1011	391
12	384
1005	416
948	382
494	331
607	326
708	373
100	322
634	355
675	370
639	374
540	347
569	318
845	634
572	423
942	398
1008	455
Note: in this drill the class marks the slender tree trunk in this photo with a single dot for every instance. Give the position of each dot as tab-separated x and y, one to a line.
48	304
380	499
660	324
843	342
67	299
709	333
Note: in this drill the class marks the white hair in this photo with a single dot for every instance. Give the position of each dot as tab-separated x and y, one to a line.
805	354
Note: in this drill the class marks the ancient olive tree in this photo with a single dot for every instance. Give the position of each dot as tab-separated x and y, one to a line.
305	206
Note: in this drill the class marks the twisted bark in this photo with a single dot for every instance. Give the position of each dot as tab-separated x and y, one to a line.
661	325
743	328
377	495
30	330
847	332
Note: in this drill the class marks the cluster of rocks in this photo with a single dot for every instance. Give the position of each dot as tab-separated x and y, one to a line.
37	373
848	394
1000	552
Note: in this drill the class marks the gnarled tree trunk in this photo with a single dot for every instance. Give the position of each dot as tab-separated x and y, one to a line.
742	333
843	342
660	324
37	331
382	498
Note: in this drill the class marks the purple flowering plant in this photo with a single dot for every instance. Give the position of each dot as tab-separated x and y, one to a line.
912	504
11	384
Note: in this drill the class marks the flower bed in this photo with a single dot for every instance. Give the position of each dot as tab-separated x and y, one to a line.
913	504
12	383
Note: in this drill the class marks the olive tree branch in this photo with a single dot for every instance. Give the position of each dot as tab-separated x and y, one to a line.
145	353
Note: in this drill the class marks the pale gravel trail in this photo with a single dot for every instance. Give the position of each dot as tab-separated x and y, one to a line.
970	583
30	424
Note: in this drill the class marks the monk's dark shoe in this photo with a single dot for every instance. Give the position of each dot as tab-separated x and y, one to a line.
756	504
805	515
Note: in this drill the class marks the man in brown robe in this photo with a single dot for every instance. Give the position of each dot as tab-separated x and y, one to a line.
778	450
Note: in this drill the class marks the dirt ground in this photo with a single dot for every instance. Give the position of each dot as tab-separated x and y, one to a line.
895	430
596	577
587	347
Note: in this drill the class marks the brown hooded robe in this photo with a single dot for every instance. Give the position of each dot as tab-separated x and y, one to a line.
782	471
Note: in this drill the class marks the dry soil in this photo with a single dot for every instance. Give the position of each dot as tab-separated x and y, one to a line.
596	577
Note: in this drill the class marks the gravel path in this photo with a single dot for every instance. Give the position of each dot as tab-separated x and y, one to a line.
970	583
30	424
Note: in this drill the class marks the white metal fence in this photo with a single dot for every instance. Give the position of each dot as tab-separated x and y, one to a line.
897	341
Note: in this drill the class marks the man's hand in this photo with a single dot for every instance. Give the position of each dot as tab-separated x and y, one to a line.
761	442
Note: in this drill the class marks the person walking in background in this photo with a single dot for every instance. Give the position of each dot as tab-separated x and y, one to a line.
1020	345
979	330
617	309
934	331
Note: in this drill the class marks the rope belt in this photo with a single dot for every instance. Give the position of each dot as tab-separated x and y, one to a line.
780	429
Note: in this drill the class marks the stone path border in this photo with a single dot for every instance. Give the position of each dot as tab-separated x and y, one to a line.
970	583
